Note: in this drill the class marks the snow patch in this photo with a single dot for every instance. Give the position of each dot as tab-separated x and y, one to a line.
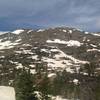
32	66
41	30
13	62
45	50
95	34
88	40
24	52
70	31
34	57
7	44
26	45
51	75
84	38
29	31
77	61
18	40
2	56
19	65
86	32
1	32
57	41
93	45
32	71
63	61
54	50
76	81
68	43
89	50
74	43
64	31
58	98
77	29
18	31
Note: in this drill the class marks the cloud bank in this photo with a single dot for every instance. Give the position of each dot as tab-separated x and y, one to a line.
84	14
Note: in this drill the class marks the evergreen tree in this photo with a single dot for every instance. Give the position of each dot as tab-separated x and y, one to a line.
97	89
90	68
24	86
44	86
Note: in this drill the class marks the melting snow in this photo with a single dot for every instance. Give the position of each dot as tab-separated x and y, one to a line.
78	29
18	51
26	45
64	30
68	43
29	31
53	63
32	71
54	50
38	95
93	45
84	38
7	44
18	31
32	66
72	58
1	40
51	75
75	81
86	32
59	61
95	34
3	32
13	62
2	56
45	50
58	98
27	52
18	40
57	41
40	30
70	31
88	40
73	43
24	52
19	65
93	50
35	57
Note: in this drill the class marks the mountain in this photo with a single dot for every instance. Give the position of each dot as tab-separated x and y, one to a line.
59	49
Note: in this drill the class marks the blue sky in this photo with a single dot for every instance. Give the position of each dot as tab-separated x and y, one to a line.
83	14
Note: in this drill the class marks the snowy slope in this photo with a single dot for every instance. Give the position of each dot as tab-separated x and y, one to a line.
61	48
18	31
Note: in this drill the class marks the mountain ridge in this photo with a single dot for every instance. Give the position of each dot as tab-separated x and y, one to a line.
60	53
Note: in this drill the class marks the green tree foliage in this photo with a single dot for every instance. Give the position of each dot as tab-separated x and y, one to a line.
90	68
43	85
97	89
64	83
24	86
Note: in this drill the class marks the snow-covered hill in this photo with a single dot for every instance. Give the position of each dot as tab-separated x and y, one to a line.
61	47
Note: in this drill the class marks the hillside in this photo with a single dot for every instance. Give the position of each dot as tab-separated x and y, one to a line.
56	50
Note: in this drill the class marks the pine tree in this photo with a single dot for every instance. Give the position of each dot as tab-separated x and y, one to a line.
90	68
24	86
45	88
